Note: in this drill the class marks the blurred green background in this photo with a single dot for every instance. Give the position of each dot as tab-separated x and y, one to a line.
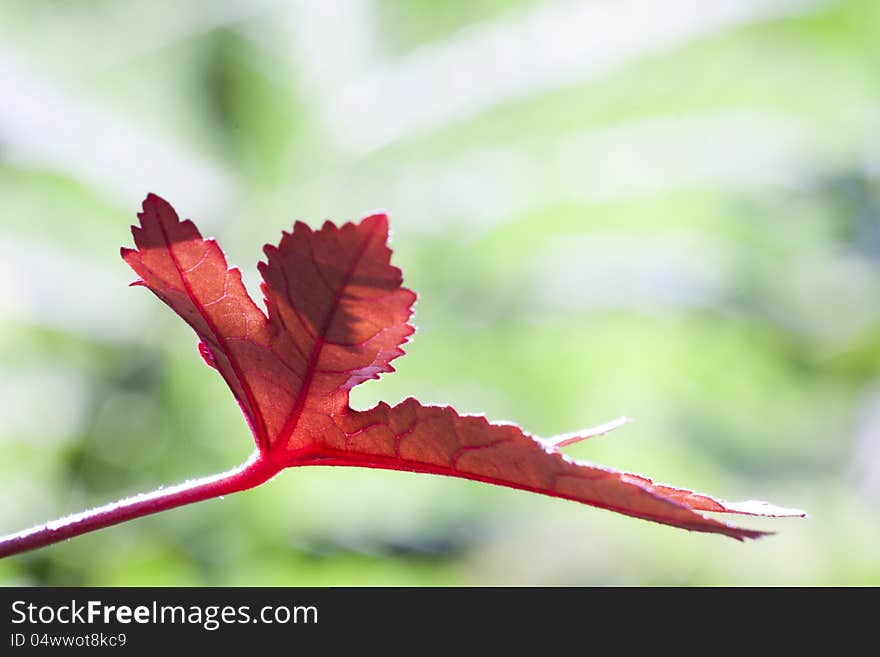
664	210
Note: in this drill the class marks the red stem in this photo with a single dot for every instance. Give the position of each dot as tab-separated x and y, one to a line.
253	472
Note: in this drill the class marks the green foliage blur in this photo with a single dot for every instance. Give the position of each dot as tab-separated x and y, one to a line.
664	210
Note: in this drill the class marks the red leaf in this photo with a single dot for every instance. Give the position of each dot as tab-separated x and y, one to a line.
337	316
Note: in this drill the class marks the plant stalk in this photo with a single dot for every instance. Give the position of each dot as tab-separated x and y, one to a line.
253	472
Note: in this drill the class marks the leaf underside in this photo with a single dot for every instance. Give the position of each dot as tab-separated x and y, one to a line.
336	316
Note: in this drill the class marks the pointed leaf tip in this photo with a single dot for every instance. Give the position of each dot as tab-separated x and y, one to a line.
565	439
377	221
765	509
154	198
